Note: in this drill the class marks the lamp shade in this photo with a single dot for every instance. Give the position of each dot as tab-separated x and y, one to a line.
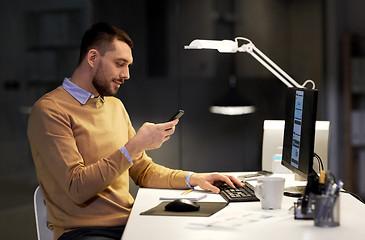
224	46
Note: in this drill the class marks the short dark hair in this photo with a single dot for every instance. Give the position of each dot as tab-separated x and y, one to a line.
101	36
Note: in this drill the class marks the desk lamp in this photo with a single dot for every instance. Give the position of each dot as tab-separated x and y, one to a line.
229	46
301	106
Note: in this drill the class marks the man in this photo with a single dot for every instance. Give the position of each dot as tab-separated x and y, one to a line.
85	148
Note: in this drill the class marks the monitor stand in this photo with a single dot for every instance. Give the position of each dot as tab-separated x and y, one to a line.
294	191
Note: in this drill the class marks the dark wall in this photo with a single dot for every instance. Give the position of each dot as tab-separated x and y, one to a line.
165	77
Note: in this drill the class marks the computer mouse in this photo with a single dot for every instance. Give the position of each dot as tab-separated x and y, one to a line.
182	205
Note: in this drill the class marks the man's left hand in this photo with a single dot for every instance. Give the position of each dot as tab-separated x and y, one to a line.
209	181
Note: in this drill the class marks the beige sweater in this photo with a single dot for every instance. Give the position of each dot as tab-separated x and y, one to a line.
83	175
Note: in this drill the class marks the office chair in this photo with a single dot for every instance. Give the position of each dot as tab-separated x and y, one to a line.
40	211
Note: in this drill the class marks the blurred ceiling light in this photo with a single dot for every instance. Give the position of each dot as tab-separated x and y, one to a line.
232	103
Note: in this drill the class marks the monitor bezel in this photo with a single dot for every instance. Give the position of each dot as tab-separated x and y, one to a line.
309	115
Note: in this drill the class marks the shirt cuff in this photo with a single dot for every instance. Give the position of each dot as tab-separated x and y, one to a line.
126	154
187	179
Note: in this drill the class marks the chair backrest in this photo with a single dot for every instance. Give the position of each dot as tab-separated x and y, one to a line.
40	211
273	144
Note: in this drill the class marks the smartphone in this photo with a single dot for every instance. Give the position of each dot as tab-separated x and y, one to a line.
177	115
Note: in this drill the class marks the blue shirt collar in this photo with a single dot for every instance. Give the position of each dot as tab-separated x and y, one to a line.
78	93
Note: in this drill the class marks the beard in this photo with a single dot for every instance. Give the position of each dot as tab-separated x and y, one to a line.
103	85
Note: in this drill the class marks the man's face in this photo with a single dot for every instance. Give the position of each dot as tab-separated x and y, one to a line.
113	69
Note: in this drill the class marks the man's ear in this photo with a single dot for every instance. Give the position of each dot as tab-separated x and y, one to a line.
92	57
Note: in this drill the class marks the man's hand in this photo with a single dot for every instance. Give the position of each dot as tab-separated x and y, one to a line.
150	136
209	181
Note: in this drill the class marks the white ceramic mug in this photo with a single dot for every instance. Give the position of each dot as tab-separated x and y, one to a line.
270	191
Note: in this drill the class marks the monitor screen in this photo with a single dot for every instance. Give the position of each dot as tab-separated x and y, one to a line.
299	130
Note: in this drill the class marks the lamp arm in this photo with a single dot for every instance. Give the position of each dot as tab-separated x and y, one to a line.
268	63
229	46
273	71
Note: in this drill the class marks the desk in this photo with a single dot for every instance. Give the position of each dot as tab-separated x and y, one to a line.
280	226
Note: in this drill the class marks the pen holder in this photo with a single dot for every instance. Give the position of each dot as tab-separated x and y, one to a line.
326	210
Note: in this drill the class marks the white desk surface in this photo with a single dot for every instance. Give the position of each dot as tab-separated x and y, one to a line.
240	220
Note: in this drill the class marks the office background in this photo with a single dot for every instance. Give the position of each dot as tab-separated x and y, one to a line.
39	47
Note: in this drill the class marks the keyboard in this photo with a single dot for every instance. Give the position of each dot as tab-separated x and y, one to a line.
238	194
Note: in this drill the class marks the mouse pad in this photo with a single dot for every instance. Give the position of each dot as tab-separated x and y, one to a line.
206	209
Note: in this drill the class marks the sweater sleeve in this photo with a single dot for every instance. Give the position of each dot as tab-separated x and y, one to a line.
55	151
146	173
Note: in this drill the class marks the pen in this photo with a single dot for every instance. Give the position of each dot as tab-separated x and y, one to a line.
339	186
333	189
321	182
328	187
187	191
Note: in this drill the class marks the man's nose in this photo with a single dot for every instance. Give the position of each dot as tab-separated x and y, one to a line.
124	74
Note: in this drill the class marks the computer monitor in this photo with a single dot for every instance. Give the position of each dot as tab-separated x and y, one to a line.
299	133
